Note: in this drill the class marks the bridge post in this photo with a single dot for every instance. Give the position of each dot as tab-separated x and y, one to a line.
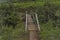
26	23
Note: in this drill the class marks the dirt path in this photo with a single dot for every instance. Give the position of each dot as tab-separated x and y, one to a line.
32	29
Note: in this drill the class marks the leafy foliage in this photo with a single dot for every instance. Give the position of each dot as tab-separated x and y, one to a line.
12	18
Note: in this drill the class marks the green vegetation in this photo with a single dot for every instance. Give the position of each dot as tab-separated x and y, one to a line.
11	22
12	18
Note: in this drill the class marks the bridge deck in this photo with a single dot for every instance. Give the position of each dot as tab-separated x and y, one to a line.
30	23
32	29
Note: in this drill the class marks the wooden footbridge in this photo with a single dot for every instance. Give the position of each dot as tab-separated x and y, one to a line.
32	28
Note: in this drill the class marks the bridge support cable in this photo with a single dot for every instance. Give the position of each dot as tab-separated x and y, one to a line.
37	21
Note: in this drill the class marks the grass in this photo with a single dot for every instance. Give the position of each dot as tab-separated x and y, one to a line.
13	34
48	32
34	4
28	4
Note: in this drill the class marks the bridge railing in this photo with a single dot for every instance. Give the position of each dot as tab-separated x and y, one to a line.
35	20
